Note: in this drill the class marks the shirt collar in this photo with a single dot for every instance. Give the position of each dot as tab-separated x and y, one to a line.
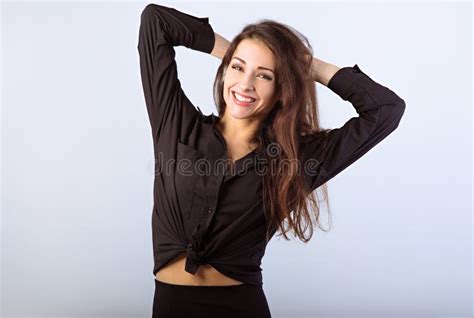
212	119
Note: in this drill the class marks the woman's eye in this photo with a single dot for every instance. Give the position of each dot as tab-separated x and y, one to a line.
238	68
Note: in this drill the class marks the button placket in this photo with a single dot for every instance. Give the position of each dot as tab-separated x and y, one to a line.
212	200
195	253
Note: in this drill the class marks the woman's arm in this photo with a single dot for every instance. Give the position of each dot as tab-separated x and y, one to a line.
161	29
322	72
220	46
327	153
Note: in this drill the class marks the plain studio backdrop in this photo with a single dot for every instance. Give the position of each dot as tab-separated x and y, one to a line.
77	160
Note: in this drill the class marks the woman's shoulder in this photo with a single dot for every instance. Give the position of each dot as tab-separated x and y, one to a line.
206	118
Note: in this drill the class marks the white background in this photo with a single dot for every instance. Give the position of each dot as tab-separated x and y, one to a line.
77	161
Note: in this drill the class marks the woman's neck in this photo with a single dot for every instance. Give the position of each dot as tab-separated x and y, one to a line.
240	132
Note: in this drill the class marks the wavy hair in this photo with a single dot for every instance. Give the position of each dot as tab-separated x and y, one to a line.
287	198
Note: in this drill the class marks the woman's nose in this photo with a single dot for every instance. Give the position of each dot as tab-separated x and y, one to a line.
246	83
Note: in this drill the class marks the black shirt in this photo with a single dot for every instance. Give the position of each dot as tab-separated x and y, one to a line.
201	207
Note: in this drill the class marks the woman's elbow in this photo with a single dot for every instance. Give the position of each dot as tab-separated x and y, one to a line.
393	114
399	110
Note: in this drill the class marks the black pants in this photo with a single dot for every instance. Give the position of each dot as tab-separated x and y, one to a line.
243	301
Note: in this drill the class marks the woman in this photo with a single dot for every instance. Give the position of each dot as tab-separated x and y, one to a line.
225	184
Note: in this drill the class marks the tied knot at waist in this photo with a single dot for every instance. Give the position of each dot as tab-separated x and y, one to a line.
194	258
195	254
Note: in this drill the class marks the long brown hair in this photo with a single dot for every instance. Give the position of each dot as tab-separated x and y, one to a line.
293	115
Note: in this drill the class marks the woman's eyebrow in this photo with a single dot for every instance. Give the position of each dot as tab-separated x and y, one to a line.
260	67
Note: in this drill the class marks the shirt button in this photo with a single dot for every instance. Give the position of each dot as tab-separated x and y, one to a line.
209	211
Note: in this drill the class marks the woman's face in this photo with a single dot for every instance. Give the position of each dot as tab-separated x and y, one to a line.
251	72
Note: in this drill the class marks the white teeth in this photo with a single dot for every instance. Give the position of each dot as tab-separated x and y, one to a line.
243	99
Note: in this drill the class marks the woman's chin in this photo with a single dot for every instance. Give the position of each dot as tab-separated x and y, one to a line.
241	112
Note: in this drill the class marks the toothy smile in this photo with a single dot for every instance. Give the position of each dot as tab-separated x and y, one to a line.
243	98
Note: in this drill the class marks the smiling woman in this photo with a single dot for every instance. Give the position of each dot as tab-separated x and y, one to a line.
210	230
274	64
252	89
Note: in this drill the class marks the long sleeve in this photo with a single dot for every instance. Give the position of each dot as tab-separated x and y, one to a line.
325	154
162	28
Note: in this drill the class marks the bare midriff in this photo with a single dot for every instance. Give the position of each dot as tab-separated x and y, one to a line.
206	275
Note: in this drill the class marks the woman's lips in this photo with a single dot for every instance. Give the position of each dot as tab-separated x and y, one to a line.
240	103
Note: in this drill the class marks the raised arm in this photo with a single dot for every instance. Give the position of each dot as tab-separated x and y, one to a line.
380	111
220	47
162	28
